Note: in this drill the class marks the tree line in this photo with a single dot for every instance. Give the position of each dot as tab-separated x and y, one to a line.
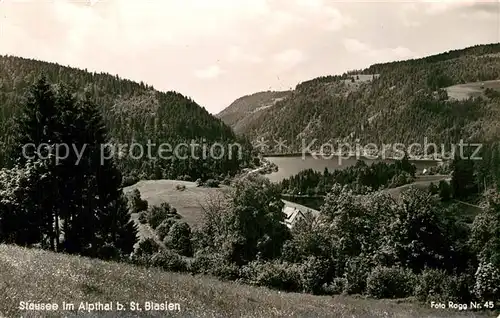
57	203
361	178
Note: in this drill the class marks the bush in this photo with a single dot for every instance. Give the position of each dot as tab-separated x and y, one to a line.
401	179
390	282
211	183
199	183
158	214
179	238
337	286
431	285
108	252
184	178
129	180
444	191
163	229
226	181
135	202
356	273
433	189
487	285
180	187
169	261
147	247
276	275
214	264
143	218
314	274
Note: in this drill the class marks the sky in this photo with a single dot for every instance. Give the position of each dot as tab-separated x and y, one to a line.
216	51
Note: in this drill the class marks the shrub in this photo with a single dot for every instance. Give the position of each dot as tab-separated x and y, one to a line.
390	282
184	178
459	288
169	261
158	214
356	272
147	247
226	181
290	252
433	189
276	275
211	183
337	286
108	252
180	187
135	202
129	180
431	285
214	264
199	183
179	238
487	285
143	218
401	179
444	191
163	229
314	274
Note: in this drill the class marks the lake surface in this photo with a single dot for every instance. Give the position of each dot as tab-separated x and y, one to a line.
289	166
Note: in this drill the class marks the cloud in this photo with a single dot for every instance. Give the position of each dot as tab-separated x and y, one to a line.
245	45
289	58
237	55
375	55
209	72
438	7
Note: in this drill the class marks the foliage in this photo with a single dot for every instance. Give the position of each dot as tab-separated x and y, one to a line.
390	282
163	229
136	203
179	238
487	286
83	208
214	264
169	261
445	191
147	247
157	214
359	178
274	274
246	223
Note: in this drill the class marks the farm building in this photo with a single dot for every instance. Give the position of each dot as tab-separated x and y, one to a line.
295	212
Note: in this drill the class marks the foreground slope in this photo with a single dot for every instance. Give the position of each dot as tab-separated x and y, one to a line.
35	275
389	103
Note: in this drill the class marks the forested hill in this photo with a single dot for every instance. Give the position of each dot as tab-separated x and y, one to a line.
132	111
248	109
393	102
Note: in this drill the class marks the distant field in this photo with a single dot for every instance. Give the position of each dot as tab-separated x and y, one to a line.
464	91
188	202
41	276
421	182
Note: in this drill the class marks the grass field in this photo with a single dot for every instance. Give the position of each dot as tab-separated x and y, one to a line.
41	276
464	91
188	203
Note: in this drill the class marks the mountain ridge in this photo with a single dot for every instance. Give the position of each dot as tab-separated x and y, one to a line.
390	107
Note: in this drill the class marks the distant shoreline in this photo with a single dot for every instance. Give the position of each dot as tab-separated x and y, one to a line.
351	156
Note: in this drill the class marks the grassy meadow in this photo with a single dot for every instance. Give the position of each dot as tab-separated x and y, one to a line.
41	276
